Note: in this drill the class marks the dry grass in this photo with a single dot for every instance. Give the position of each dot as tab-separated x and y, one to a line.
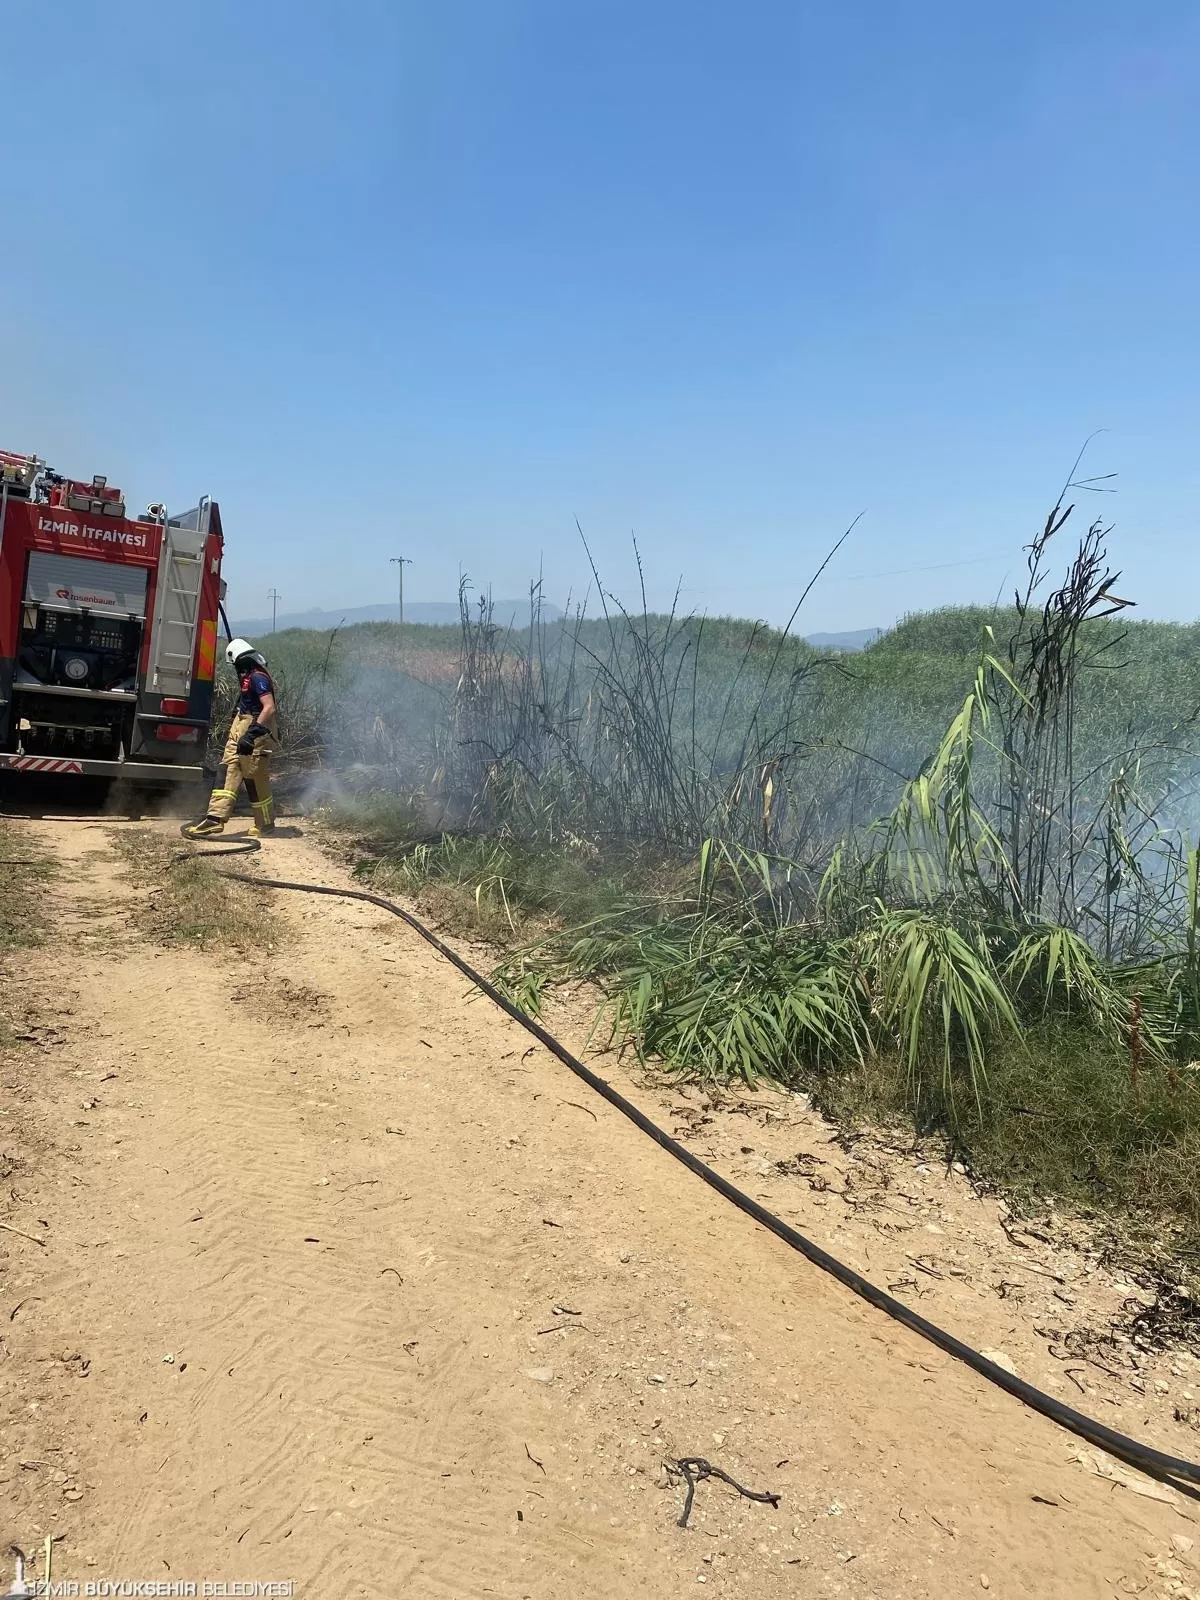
23	872
1064	1120
187	902
503	891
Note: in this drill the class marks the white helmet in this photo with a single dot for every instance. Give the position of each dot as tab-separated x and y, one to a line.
237	649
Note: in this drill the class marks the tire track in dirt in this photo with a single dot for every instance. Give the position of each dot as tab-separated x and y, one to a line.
320	1418
289	1378
318	1348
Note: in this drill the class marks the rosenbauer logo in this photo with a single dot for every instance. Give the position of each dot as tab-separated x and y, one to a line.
85	599
91	535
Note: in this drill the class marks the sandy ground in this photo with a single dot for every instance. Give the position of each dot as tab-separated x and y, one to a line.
341	1282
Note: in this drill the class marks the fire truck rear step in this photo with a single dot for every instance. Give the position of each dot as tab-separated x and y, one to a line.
82	766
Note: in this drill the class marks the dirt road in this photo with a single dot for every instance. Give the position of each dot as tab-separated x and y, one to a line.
343	1284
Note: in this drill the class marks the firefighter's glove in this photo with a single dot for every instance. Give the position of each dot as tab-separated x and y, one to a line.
255	732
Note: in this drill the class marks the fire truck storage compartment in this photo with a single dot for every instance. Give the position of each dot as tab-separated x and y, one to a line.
75	688
80	582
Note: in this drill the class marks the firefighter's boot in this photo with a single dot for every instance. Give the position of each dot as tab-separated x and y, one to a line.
202	829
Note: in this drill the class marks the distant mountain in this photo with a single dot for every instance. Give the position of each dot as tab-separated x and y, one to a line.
507	613
436	613
856	639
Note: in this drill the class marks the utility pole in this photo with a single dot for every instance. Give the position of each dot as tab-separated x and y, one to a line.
401	562
273	597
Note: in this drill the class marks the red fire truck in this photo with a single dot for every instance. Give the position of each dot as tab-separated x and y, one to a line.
108	629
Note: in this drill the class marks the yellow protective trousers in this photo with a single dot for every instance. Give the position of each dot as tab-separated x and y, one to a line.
254	769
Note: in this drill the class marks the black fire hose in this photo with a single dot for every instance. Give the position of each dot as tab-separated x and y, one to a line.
1180	1474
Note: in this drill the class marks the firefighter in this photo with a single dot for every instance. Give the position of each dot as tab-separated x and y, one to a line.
248	748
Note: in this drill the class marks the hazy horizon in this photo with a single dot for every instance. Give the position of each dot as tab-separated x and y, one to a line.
439	281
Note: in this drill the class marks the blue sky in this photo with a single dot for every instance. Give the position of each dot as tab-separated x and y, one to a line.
441	278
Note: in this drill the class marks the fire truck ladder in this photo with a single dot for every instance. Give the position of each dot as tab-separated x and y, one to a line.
177	606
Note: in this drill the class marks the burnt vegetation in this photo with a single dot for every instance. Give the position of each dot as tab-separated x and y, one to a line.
955	876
